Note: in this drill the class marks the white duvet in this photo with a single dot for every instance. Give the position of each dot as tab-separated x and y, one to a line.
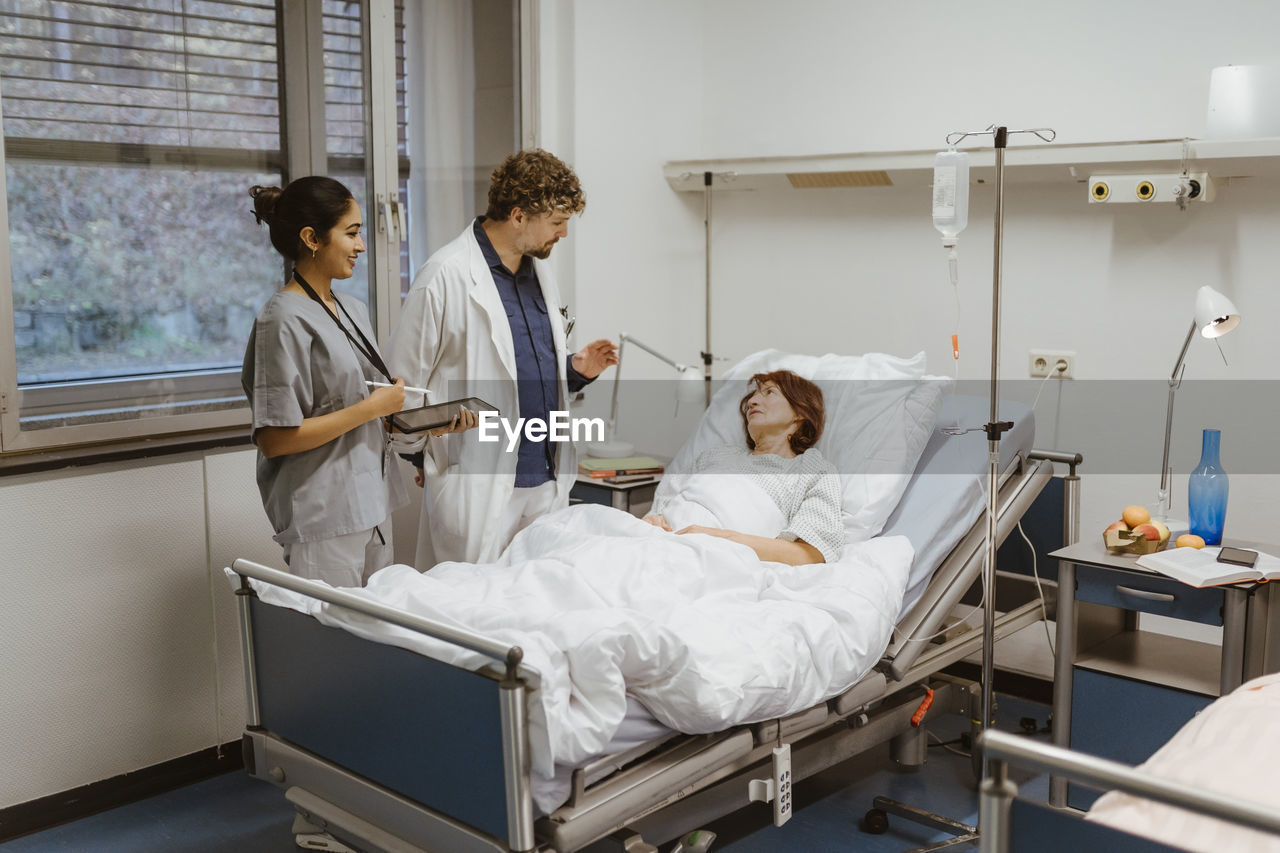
732	501
695	627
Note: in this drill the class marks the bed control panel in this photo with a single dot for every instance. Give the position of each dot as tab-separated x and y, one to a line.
776	789
782	783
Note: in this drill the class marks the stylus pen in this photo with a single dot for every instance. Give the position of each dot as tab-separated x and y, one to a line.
409	388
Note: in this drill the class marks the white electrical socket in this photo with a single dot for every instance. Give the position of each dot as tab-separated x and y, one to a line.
1044	362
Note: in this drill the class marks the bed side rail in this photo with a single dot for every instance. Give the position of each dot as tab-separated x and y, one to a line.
961	569
1002	749
477	719
509	656
957	561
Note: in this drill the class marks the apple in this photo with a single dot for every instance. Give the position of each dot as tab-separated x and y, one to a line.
1189	540
1135	515
1148	531
1164	530
1116	525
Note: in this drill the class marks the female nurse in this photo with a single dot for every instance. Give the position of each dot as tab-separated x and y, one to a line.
328	481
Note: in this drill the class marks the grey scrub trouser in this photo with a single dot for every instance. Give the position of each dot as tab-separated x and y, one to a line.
346	560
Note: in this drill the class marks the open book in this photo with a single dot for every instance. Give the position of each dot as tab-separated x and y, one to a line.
1200	567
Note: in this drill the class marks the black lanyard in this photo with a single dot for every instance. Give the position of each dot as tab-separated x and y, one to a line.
363	346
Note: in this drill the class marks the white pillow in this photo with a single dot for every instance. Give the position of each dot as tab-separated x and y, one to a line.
880	409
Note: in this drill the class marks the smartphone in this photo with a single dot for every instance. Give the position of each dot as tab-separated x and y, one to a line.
437	414
1237	556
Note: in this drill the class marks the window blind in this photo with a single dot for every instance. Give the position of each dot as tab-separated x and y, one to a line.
344	81
169	81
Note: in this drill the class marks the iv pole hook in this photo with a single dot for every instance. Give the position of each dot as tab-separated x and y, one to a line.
957	135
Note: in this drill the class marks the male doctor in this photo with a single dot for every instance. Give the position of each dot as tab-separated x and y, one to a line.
482	319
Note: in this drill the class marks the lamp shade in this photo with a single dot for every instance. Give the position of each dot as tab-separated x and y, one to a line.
689	389
1215	313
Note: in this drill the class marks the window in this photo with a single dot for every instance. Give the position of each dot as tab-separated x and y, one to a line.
130	266
344	115
131	134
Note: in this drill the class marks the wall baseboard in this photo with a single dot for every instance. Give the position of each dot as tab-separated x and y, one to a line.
126	788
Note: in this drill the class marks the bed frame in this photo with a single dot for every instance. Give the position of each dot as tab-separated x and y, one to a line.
391	750
1010	824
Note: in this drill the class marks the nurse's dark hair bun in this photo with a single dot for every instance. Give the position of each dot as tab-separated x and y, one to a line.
313	202
264	202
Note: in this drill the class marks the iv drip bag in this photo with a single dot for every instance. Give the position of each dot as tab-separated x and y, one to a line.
950	194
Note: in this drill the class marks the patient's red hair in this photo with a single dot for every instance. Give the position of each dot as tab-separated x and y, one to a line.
805	399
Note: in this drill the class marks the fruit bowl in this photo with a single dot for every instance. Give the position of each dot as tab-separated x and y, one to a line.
1128	542
1136	532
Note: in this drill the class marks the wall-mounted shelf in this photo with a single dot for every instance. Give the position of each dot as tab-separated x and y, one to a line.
1040	163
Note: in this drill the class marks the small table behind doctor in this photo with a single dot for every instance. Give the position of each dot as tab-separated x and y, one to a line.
635	497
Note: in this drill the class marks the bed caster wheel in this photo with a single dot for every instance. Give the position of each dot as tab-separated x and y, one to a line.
875	822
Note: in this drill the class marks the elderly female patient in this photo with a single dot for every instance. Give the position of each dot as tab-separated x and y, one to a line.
782	416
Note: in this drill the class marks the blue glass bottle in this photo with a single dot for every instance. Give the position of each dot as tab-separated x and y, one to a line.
1207	491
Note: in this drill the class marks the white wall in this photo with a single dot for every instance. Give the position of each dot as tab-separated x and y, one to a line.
852	270
833	75
121	642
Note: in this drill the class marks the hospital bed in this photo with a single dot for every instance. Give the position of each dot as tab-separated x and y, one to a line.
393	750
1214	808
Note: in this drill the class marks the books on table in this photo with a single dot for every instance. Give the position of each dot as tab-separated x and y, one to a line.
621	466
1200	567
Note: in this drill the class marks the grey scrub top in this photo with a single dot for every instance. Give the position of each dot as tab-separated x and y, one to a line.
299	364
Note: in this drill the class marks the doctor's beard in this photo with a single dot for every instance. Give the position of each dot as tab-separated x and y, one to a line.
542	252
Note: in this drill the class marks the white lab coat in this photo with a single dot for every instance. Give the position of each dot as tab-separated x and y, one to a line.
454	339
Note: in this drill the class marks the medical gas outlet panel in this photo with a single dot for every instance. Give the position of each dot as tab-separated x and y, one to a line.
1173	187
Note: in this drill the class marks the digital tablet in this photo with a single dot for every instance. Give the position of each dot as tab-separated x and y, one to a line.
437	414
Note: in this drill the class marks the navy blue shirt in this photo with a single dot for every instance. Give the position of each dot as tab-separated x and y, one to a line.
537	380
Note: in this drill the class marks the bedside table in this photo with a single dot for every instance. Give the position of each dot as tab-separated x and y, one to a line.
635	497
1124	694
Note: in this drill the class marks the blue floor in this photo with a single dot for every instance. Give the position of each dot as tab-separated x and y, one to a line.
235	813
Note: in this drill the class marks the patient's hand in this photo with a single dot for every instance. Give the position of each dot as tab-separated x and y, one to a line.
657	521
710	531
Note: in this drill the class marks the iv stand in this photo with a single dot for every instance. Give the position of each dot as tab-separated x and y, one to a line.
883	806
708	188
706	220
994	427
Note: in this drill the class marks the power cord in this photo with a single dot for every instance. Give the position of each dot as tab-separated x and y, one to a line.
962	620
1058	368
1044	610
949	745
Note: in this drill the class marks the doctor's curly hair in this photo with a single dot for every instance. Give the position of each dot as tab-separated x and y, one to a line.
805	399
536	182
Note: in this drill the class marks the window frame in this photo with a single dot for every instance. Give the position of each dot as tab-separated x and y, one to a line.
59	416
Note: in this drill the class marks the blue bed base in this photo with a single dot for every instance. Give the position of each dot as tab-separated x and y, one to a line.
443	716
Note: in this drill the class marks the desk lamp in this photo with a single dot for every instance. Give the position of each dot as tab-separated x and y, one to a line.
688	390
1215	316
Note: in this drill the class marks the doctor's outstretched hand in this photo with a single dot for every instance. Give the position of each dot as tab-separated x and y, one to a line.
595	357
